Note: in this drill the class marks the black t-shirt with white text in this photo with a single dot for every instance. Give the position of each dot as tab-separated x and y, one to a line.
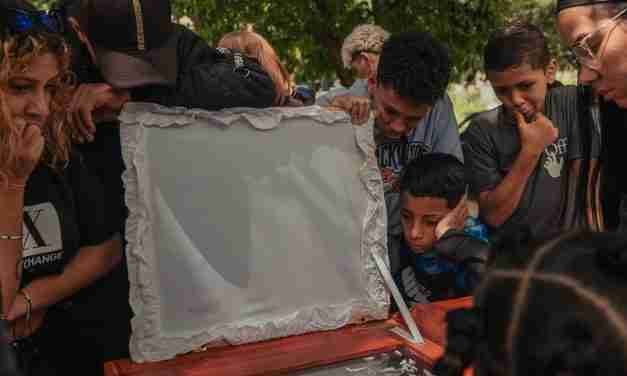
63	211
492	143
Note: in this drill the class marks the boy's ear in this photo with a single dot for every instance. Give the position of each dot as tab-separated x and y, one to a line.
550	71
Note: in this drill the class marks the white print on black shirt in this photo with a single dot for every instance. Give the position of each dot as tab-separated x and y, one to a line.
389	159
390	154
417	292
555	157
42	235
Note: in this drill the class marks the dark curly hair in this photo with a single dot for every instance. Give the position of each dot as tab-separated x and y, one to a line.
557	309
515	44
415	66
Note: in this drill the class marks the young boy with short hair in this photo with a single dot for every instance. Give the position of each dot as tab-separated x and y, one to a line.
522	153
440	256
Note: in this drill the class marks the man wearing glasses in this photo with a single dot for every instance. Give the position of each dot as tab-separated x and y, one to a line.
596	34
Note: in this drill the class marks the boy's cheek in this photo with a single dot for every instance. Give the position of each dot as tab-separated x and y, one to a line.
424	244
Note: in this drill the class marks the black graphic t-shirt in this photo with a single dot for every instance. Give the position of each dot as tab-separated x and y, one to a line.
492	143
63	211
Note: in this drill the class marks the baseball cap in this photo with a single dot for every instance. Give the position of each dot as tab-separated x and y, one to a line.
134	41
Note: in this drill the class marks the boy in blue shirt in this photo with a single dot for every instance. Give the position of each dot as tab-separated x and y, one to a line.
444	251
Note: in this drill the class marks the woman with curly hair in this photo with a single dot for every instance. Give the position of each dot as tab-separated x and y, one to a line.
56	240
560	310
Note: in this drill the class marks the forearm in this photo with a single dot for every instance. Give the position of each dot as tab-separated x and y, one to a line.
500	203
12	208
89	265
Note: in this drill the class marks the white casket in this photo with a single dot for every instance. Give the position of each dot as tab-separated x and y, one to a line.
248	225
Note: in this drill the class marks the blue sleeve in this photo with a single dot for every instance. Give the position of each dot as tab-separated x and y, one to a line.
446	134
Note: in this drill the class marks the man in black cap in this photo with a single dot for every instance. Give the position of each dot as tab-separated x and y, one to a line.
132	45
596	33
130	50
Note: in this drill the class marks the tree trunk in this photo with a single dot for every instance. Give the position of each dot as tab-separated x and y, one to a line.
330	41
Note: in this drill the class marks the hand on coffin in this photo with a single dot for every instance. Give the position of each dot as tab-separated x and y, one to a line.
94	103
357	107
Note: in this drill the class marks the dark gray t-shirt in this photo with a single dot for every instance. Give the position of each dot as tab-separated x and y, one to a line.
492	143
436	132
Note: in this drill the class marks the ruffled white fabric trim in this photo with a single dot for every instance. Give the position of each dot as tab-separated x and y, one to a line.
147	342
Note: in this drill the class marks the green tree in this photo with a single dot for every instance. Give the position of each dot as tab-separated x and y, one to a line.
42	4
309	34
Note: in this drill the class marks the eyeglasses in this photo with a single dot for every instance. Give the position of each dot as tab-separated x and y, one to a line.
20	20
585	51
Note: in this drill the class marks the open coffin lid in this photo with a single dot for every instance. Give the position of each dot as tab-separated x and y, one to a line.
248	225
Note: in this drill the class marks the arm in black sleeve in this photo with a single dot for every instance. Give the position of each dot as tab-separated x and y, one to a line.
208	79
466	250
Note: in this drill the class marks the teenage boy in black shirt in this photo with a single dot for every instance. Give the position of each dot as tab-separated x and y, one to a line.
522	153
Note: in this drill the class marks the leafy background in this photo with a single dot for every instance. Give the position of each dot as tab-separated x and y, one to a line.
308	34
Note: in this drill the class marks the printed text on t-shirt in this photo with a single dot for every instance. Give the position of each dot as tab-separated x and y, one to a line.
42	241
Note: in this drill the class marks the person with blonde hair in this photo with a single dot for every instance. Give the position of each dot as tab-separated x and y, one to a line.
58	245
257	47
361	49
360	52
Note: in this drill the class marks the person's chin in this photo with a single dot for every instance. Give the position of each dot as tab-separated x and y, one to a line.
417	249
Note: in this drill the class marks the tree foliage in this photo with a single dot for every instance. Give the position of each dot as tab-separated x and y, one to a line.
308	34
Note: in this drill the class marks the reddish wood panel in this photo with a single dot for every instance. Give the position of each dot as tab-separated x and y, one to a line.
272	357
302	352
430	318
